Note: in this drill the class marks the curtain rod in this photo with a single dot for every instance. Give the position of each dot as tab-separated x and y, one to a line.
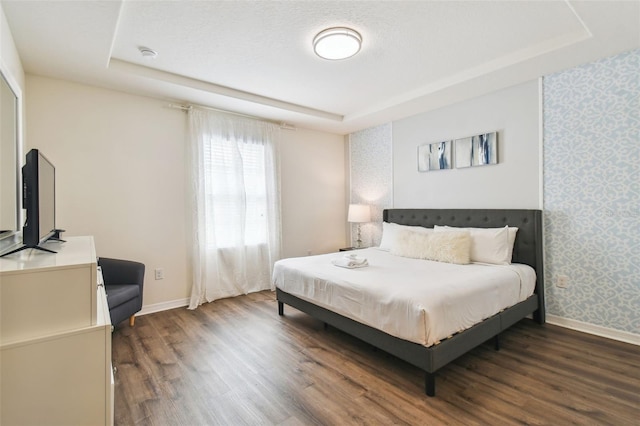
187	107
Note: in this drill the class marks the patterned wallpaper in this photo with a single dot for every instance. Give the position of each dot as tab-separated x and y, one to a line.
592	192
371	177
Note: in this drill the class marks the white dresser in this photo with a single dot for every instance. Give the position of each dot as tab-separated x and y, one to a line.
55	338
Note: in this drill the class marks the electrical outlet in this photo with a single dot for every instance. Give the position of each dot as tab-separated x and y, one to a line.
159	273
562	281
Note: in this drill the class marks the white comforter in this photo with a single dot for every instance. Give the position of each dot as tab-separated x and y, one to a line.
417	300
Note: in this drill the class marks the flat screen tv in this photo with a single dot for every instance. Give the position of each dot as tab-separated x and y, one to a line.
39	201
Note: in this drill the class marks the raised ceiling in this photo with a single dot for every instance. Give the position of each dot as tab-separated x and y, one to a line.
256	57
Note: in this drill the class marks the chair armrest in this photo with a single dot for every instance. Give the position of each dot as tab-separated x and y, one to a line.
118	271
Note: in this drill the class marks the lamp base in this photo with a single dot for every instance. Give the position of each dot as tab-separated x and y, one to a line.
359	240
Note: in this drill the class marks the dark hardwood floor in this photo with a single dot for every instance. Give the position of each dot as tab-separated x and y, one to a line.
236	362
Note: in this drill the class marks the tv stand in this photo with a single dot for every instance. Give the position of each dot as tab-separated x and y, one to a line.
28	247
54	237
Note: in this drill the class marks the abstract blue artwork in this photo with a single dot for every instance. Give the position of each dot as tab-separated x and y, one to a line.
479	150
434	156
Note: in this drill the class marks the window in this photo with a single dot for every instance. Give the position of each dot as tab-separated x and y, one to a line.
236	201
234	182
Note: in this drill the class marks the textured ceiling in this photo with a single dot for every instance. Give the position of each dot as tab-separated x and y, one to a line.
256	57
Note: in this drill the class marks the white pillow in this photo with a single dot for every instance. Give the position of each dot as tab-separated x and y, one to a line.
388	235
489	245
449	246
512	240
390	230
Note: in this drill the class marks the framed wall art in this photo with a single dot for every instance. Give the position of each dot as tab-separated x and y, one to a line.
435	156
478	150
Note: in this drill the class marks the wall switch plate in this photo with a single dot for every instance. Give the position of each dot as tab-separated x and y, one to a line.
159	273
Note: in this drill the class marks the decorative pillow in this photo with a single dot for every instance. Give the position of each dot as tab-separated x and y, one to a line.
449	246
489	245
390	230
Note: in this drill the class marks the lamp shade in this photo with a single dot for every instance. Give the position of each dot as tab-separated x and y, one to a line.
359	213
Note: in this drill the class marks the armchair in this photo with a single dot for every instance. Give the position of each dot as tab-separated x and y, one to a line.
123	283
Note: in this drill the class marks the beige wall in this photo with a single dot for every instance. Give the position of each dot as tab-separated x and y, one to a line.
120	169
313	182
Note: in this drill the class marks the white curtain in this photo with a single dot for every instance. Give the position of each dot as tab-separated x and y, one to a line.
235	204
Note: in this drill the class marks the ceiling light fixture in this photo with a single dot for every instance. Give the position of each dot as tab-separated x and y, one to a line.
147	52
337	43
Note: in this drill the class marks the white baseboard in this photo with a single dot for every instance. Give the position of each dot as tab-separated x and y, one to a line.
163	306
610	333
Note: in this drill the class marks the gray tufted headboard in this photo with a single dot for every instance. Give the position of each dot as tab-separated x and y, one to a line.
527	248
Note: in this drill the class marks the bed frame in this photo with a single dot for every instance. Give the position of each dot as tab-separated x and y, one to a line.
527	250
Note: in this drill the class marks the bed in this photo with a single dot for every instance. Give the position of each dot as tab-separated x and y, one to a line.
424	349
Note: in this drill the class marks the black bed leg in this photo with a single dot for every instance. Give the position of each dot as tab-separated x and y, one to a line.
280	308
496	342
430	384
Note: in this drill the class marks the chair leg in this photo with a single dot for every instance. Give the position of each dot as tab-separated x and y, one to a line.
132	320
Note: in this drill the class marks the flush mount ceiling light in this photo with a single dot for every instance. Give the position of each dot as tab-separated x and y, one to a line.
147	52
337	43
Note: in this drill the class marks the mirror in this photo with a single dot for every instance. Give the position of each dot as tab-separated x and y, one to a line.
9	153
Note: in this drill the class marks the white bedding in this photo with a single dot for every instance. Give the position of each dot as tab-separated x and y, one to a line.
417	300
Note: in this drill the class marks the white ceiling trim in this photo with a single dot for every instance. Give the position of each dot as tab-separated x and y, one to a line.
114	35
470	74
205	86
578	17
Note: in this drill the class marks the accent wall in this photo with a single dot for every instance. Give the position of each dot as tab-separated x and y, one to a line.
592	192
371	171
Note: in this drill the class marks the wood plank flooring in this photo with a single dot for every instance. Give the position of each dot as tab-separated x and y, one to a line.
236	362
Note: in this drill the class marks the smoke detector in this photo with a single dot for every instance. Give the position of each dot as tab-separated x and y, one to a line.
147	52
